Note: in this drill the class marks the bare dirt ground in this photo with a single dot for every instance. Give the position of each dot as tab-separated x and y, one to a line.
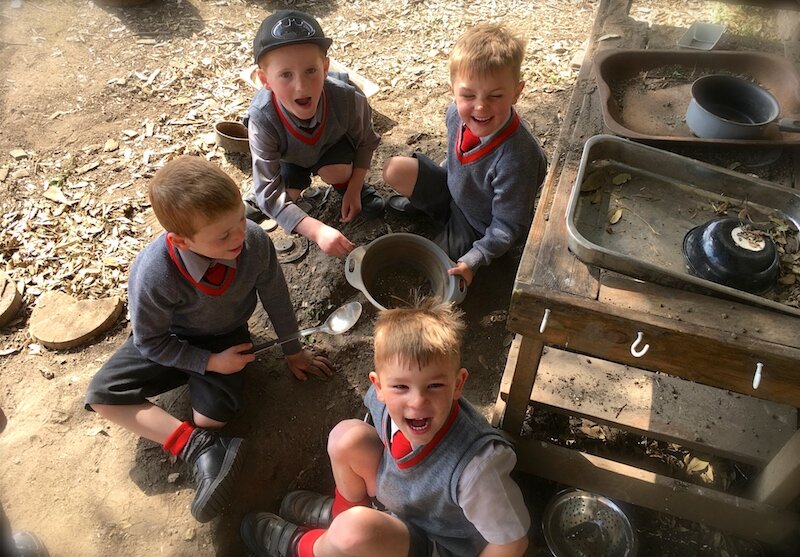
94	100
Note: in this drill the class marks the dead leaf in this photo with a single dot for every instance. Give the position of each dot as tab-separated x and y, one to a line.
621	178
608	37
593	181
597	196
615	216
695	465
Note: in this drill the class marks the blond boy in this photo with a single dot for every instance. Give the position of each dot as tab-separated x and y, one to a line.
305	122
436	465
485	192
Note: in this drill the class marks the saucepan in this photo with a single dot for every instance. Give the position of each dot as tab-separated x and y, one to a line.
729	107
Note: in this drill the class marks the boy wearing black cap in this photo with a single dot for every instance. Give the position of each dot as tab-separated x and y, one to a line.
305	122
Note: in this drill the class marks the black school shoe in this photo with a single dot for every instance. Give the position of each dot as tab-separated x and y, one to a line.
28	544
372	204
253	213
307	508
217	462
268	535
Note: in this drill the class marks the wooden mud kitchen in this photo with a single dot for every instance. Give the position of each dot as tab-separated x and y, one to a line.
638	343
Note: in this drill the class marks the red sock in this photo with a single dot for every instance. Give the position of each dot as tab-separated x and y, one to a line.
305	546
340	504
178	438
341	187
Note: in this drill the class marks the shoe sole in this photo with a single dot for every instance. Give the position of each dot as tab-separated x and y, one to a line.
221	491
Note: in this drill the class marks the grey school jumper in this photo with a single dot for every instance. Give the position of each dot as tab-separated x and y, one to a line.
346	113
162	302
494	185
424	492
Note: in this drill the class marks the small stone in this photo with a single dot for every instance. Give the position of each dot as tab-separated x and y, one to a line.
172	478
3	173
18	154
189	535
21	173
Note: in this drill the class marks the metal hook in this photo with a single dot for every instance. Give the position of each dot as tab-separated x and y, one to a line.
543	326
757	375
639	353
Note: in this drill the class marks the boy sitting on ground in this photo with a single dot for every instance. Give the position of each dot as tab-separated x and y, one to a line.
441	471
190	294
485	192
303	123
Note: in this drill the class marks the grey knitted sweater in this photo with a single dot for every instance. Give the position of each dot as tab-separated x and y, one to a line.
345	112
421	488
494	185
163	303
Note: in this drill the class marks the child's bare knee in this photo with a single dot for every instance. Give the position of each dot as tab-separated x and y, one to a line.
348	435
389	171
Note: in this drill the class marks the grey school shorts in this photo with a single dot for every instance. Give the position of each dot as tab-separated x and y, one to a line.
432	196
129	378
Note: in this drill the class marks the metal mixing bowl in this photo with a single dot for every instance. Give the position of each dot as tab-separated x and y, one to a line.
577	523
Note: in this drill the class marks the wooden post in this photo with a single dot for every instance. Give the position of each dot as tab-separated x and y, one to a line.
779	483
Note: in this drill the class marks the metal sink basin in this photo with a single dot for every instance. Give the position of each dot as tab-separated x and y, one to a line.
632	205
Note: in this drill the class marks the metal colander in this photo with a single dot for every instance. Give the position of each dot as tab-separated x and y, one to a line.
577	523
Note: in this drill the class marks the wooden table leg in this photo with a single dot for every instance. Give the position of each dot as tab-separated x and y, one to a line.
519	393
779	482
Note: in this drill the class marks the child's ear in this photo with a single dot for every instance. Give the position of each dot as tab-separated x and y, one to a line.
375	380
326	64
178	241
262	78
461	378
518	91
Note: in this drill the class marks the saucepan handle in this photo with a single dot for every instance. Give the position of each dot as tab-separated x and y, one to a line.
352	268
459	286
789	124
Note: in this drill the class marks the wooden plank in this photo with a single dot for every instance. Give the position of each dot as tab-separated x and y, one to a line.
739	516
524	375
700	354
779	483
555	267
505	382
728	317
707	419
583	83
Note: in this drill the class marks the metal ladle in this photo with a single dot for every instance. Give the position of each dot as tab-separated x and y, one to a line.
337	323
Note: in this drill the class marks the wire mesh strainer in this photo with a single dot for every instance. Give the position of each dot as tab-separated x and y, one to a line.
577	523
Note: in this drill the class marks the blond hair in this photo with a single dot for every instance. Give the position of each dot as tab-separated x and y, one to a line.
487	49
189	191
427	331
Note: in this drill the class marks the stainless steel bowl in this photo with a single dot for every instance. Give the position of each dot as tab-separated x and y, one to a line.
577	523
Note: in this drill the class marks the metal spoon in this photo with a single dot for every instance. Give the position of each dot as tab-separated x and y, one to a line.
337	323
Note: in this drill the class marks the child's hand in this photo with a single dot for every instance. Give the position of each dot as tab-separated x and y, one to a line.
351	204
463	270
305	362
231	360
333	242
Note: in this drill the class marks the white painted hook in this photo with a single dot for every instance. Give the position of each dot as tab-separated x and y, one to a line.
757	375
546	316
639	353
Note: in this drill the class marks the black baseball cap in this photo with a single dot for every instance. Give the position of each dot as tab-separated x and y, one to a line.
286	27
